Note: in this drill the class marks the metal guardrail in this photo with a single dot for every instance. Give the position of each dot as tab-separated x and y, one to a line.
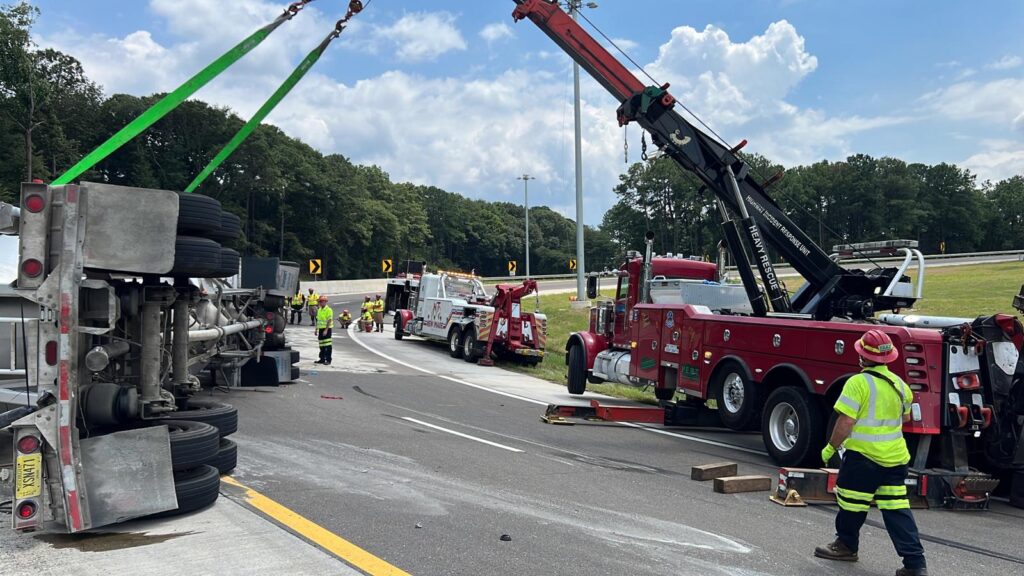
928	258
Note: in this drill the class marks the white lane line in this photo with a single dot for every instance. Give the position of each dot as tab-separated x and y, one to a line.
351	334
461	435
541	403
695	439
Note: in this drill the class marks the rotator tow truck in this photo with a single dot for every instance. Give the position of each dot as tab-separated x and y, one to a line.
455	308
768	360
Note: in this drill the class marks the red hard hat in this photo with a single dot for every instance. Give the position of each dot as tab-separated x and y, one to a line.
876	346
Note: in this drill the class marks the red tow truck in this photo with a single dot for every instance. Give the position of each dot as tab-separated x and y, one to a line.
765	359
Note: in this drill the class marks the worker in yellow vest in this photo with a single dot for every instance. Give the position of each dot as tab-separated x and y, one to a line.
344	319
324	329
378	314
298	303
311	305
871	411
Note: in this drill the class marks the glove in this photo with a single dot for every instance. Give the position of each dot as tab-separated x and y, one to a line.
827	453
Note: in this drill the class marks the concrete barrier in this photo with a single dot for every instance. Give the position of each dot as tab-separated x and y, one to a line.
332	287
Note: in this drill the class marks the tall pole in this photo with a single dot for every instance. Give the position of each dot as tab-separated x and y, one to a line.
526	199
581	294
280	252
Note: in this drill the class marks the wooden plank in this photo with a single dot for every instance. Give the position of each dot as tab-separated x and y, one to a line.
734	484
712	471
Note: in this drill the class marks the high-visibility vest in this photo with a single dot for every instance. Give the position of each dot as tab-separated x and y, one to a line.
345	317
879	409
298	300
367	317
313	298
325	318
378	305
367	306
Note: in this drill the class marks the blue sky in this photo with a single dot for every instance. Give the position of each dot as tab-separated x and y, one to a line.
454	94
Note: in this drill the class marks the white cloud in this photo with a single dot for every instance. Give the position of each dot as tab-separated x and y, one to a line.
496	31
1000	161
423	36
1006	63
999	102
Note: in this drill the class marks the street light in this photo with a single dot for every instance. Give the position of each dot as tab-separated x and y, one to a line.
526	198
581	295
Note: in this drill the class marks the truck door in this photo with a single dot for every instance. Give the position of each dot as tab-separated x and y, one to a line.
690	333
621	331
646	330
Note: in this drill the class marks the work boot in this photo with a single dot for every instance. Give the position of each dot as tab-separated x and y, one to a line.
318	361
836	551
912	572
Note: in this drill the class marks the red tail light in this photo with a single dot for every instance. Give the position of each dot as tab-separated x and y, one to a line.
269	329
34	203
26	510
51	352
32	267
969	381
28	444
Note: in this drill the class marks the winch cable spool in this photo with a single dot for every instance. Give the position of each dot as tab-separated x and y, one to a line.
354	7
174	99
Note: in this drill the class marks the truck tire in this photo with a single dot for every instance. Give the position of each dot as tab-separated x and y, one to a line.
792	427
195	257
739	402
470	353
222	416
195	489
455	342
230	228
230	262
192	443
577	370
399	327
199	215
227	456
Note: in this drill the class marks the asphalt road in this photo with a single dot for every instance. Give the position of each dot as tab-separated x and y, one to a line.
427	461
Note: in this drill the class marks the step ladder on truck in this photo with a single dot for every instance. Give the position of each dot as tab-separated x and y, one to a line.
770	361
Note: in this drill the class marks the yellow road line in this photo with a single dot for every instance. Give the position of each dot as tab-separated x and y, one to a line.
319	535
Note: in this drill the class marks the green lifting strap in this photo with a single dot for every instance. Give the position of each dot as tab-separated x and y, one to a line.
174	99
262	113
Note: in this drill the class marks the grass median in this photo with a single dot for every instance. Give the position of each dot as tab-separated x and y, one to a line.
963	291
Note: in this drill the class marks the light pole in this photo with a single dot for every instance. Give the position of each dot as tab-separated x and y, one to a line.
526	199
581	295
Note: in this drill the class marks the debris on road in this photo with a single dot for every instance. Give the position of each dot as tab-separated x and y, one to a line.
735	484
506	538
712	471
326	397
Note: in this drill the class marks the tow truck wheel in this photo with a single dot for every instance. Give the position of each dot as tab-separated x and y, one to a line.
664	394
455	342
577	370
737	397
469	351
792	427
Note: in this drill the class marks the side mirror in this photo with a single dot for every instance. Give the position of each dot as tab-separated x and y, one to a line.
592	287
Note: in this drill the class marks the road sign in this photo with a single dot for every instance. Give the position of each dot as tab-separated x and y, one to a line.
314	267
386	267
572	263
511	267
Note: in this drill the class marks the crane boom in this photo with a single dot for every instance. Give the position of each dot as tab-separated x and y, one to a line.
830	290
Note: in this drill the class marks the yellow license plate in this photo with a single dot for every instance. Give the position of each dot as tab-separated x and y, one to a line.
28	476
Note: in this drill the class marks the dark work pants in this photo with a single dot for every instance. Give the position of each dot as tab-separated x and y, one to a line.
326	345
296	316
859	474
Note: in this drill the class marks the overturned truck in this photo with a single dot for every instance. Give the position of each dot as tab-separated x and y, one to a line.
120	313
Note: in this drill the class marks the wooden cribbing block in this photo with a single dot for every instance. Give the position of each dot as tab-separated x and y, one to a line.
734	484
712	471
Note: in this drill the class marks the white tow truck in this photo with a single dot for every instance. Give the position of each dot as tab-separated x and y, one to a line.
456	308
119	312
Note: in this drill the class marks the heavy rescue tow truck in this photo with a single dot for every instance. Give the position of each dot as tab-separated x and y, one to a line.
769	360
119	314
455	308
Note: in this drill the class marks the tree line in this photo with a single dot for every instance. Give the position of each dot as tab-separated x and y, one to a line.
298	203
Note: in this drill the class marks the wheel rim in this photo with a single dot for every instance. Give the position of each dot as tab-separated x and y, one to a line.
784	426
733	392
453	341
467	344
